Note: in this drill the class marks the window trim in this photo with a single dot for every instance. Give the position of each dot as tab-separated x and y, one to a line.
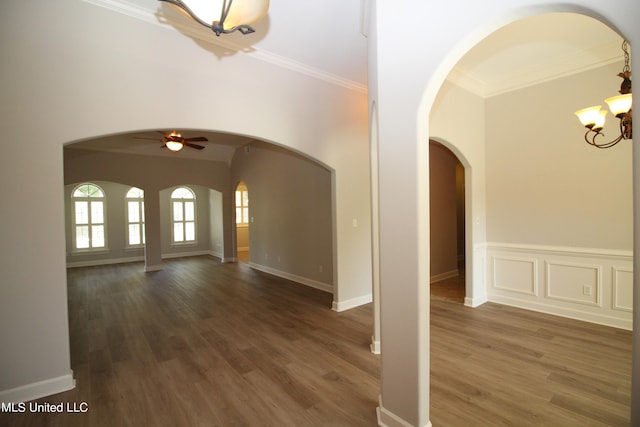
140	201
195	217
74	243
241	188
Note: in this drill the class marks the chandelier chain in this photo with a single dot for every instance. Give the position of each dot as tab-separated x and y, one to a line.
625	50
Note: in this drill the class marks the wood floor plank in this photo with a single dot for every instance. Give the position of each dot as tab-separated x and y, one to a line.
204	343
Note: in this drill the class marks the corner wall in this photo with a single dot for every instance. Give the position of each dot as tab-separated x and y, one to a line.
290	214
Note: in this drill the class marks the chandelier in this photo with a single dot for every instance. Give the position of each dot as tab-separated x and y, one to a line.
224	16
593	118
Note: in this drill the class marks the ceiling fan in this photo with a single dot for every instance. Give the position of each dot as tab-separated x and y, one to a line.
175	142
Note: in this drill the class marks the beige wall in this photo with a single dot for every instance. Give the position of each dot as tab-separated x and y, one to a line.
559	212
290	212
545	185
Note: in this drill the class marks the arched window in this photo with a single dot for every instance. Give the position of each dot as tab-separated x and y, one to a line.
88	217
135	217
242	204
183	211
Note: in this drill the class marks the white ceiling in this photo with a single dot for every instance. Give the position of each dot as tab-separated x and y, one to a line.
323	39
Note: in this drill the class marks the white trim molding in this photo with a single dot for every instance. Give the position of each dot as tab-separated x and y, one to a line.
475	302
351	303
151	268
622	288
375	345
38	389
293	277
387	418
105	261
588	284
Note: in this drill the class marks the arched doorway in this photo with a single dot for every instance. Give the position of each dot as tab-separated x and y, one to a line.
504	152
395	365
447	229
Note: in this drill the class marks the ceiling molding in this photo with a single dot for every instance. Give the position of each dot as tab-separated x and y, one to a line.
540	72
467	81
146	15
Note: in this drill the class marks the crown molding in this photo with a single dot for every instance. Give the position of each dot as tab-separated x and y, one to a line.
466	81
146	15
540	72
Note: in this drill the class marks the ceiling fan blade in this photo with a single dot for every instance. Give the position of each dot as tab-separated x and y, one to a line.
196	139
196	146
143	137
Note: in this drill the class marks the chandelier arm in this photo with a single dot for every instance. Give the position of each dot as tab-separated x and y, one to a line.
244	29
218	27
593	142
225	11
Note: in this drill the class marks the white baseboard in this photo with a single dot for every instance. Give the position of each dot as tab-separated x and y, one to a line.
387	418
184	254
150	268
570	313
474	302
110	261
375	346
351	303
38	389
293	277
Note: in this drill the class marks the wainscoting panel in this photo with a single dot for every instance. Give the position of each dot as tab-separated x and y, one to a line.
622	289
594	285
515	274
574	283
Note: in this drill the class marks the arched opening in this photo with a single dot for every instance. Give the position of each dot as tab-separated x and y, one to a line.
242	222
525	263
447	230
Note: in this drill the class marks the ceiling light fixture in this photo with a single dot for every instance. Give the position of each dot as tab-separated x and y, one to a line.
224	16
173	141
174	146
593	118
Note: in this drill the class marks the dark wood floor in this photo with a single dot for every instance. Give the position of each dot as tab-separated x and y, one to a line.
208	344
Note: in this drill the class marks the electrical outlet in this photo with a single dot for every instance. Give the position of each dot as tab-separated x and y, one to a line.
587	290
320	268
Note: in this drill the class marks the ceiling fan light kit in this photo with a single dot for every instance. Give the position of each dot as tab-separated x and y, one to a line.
174	145
593	118
224	16
175	141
